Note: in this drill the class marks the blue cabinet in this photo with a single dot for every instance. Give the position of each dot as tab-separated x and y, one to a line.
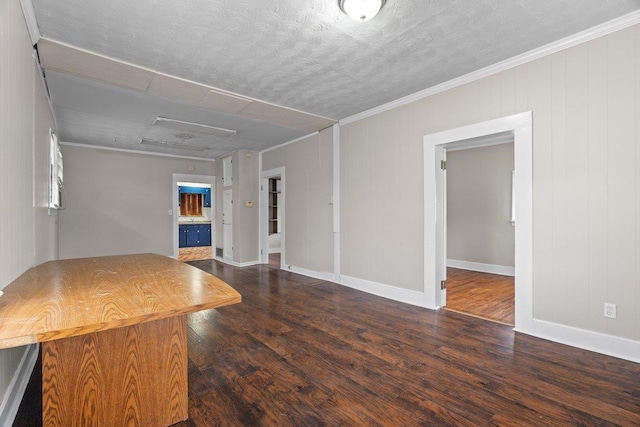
182	236
194	235
204	235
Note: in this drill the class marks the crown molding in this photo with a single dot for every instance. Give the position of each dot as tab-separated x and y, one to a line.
266	150
601	30
30	19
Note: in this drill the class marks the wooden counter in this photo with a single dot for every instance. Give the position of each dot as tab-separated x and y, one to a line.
114	335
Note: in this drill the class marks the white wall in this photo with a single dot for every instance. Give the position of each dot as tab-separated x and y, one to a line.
28	236
586	167
119	202
246	184
308	216
479	226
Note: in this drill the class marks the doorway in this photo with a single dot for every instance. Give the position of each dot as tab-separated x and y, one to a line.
272	218
194	221
480	230
519	127
193	216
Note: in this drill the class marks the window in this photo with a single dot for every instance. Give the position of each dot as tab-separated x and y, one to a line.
191	204
55	173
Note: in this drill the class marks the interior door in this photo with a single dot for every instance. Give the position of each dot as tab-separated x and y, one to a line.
227	224
441	223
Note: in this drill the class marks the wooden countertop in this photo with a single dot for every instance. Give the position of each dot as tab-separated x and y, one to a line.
66	298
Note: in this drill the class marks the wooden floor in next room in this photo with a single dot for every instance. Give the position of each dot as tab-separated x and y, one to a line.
485	295
305	352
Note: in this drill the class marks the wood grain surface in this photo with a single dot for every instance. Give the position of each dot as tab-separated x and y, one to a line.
304	352
488	296
131	376
68	298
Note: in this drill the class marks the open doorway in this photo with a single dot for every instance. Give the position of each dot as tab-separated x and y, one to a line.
193	216
480	232
518	127
272	218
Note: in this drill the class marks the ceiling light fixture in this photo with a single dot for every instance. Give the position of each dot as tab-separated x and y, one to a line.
361	10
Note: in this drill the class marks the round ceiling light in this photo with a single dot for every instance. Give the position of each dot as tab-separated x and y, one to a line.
361	10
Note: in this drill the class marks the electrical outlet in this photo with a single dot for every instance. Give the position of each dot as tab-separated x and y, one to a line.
610	310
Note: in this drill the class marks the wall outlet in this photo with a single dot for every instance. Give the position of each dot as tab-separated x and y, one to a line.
610	310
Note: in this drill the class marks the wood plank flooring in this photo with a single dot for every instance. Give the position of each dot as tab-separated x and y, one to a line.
488	296
303	352
195	253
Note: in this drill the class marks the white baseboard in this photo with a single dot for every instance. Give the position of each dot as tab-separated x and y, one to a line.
320	275
610	345
483	268
237	264
386	291
588	340
15	392
274	250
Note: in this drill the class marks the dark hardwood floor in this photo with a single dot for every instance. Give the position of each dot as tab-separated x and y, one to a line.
488	296
303	352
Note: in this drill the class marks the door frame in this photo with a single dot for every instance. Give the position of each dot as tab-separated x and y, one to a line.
264	213
200	179
520	126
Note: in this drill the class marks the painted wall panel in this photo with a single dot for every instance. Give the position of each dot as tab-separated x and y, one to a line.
118	202
622	79
558	189
246	189
577	171
585	166
598	200
27	234
308	222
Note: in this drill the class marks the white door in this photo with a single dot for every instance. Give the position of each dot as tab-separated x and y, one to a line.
441	222
227	224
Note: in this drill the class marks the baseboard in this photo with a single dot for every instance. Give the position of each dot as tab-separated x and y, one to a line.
273	250
237	264
610	345
15	392
320	275
386	291
621	348
483	268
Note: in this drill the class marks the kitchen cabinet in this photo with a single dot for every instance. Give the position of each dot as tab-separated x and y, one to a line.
192	235
204	235
182	236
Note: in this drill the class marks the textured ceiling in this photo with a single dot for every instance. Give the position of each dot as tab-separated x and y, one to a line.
304	55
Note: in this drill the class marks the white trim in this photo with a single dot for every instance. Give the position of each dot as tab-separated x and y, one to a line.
273	250
275	147
320	275
18	385
503	270
126	150
588	340
336	203
200	179
386	291
551	48
237	264
30	19
521	126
